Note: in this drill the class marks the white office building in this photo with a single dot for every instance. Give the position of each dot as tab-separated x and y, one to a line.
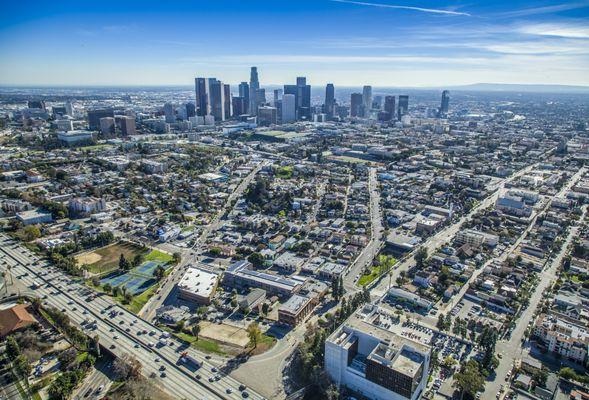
288	108
365	355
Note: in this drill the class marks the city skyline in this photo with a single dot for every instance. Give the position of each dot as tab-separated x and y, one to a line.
349	43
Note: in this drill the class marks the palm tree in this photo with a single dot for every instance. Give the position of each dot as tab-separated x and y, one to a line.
196	330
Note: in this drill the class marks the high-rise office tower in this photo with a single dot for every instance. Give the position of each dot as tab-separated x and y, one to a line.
389	107
69	108
302	93
254	89
261	97
377	102
238	105
169	113
329	108
36	104
228	104
203	106
95	115
289	112
266	115
277	96
356	105
217	99
190	110
366	100
244	92
444	106
126	124
107	125
403	107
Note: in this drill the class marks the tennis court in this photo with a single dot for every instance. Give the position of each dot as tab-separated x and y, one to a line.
136	280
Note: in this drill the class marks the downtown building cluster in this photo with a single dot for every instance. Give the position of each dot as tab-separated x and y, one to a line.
215	102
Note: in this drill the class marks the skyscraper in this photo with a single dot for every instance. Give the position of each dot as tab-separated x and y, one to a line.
356	105
244	92
266	115
389	107
238	106
228	104
289	112
36	104
217	99
277	96
253	90
95	115
203	106
169	113
126	124
403	106
444	106
366	100
303	98
190	109
329	108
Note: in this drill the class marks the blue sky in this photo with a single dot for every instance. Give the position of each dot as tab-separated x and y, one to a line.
380	42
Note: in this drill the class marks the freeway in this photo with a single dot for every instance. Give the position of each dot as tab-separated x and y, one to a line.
119	330
149	309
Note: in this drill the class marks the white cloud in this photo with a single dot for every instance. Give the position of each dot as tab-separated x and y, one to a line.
554	29
545	9
398	7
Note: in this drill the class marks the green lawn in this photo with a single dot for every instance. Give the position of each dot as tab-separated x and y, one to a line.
139	301
366	279
377	270
208	346
156	255
284	172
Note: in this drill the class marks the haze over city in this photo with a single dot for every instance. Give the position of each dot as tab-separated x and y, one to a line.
294	200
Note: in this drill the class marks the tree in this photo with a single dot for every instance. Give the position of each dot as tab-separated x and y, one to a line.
30	232
123	263
567	374
176	257
254	334
23	366
335	288
470	380
66	358
128	297
159	272
256	259
116	290
138	259
441	324
265	308
12	348
180	325
420	256
195	330
107	287
36	304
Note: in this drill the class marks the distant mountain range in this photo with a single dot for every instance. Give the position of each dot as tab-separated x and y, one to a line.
527	88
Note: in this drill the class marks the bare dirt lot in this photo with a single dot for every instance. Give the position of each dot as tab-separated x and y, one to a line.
224	333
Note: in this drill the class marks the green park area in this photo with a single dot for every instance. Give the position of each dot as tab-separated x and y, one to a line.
106	259
383	266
